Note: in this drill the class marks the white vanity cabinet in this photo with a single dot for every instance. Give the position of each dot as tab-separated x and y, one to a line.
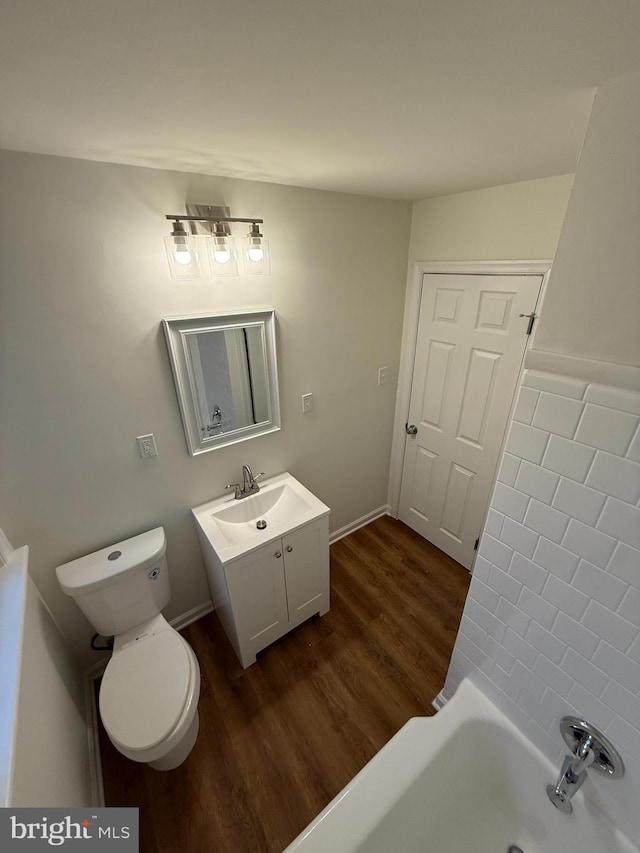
275	588
267	561
267	579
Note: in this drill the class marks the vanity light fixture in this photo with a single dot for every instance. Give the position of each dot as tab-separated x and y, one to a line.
182	253
182	248
222	251
255	252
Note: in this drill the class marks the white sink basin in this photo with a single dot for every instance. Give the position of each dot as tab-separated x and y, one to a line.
282	505
274	506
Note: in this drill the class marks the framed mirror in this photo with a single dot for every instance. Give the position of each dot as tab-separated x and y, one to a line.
226	377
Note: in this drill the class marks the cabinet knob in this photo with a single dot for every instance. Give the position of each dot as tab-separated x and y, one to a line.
278	554
289	548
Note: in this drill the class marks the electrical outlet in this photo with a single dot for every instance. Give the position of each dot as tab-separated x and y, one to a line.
307	403
147	446
383	375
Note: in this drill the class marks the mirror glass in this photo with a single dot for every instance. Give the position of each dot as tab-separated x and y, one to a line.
224	367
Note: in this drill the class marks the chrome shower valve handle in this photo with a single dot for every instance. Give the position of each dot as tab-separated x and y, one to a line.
590	748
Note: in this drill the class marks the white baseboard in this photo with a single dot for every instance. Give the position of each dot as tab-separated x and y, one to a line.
95	764
358	523
439	702
180	622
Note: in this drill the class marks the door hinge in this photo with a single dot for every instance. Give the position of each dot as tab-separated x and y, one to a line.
475	547
532	319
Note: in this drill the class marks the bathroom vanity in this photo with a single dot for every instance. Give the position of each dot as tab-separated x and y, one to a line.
267	561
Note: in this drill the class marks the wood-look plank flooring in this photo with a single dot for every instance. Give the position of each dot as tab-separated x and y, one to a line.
280	739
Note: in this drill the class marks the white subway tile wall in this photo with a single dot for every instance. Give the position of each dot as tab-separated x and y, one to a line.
552	621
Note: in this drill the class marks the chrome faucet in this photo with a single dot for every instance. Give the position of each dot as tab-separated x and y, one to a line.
572	775
590	748
249	485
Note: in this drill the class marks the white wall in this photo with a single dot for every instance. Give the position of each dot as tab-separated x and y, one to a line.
84	364
514	222
552	621
593	301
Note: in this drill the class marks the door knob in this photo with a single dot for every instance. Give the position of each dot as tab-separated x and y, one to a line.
278	554
289	548
411	429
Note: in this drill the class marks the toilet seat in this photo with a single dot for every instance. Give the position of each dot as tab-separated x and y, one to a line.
146	689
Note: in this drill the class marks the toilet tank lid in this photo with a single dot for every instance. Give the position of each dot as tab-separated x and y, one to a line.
107	566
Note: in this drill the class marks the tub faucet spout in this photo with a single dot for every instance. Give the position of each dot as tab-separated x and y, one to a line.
582	760
572	775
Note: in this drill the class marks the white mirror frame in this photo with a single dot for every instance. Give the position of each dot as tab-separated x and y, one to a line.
177	331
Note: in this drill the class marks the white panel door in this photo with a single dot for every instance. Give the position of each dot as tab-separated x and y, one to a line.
471	342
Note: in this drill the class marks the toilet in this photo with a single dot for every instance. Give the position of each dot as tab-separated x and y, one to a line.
150	688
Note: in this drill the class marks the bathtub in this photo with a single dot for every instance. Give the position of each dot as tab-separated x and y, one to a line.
464	781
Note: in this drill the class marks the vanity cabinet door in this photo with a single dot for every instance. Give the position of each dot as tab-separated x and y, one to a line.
258	598
306	555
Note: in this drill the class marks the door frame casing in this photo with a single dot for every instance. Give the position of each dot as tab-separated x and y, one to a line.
410	339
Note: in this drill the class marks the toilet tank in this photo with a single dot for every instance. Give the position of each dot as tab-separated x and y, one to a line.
120	586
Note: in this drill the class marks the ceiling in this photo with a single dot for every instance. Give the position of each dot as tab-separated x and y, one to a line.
395	98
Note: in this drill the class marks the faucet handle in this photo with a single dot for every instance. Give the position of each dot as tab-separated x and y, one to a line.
253	486
583	738
238	489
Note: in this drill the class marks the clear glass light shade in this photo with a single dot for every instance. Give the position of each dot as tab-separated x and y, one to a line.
222	255
256	258
182	257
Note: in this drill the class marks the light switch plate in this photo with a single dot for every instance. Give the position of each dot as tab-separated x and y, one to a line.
383	375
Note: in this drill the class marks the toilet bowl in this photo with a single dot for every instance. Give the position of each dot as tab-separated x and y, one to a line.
150	688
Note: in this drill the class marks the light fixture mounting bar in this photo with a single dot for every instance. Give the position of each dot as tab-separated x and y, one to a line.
180	218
